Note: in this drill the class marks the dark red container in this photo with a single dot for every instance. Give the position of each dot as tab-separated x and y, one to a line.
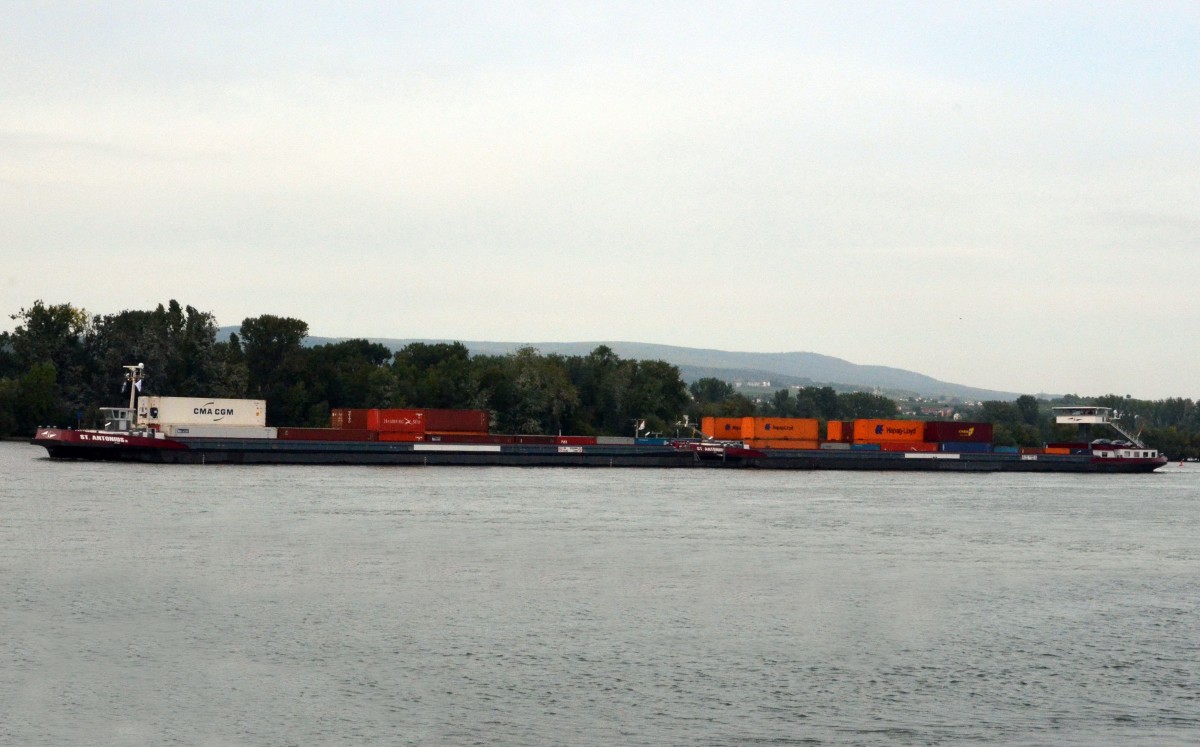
939	431
466	438
344	417
457	421
534	440
575	440
325	434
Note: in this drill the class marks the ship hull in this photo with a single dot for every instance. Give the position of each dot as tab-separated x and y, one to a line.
85	445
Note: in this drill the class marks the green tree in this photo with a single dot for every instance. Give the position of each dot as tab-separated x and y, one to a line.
710	390
274	359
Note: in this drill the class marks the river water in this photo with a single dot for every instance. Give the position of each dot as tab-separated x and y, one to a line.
156	605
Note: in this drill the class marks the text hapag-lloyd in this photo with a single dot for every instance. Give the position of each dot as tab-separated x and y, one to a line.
894	431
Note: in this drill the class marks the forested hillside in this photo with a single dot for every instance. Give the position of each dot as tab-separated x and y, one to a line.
61	363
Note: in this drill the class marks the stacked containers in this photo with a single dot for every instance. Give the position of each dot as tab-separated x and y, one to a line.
937	431
959	437
456	421
839	431
781	433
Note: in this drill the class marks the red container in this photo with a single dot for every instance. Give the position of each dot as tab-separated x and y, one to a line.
401	436
344	417
575	440
937	431
534	440
457	421
396	421
1032	450
466	438
325	434
915	446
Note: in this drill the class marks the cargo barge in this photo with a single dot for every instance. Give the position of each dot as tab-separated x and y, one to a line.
171	430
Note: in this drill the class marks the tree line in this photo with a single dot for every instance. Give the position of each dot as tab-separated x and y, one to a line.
60	364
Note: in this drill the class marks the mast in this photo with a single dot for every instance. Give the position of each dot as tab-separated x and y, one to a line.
134	376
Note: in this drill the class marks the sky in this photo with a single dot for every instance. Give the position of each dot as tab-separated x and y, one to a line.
1002	195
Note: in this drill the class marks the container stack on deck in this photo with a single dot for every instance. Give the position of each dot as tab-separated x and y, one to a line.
865	434
199	417
424	425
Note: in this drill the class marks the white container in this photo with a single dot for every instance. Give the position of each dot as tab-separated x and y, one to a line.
218	431
201	411
614	440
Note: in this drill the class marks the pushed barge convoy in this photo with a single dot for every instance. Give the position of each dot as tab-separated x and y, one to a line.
174	430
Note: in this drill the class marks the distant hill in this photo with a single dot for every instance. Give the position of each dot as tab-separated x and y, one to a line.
781	369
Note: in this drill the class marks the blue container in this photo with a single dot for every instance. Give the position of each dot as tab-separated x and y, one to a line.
1006	450
652	441
966	447
865	447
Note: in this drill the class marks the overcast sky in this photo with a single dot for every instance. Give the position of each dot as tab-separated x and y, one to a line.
1004	195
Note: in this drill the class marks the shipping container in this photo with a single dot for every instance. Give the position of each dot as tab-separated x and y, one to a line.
1005	449
462	438
865	447
915	446
396	421
201	411
615	440
344	417
940	430
533	440
400	436
1056	450
724	429
783	443
779	429
457	421
878	431
833	431
171	430
840	445
965	447
1031	450
652	441
575	440
326	434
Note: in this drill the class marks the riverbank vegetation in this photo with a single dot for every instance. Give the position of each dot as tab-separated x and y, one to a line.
60	363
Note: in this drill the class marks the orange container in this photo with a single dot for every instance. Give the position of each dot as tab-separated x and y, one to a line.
724	428
780	429
833	430
396	421
879	431
1056	450
783	443
907	446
